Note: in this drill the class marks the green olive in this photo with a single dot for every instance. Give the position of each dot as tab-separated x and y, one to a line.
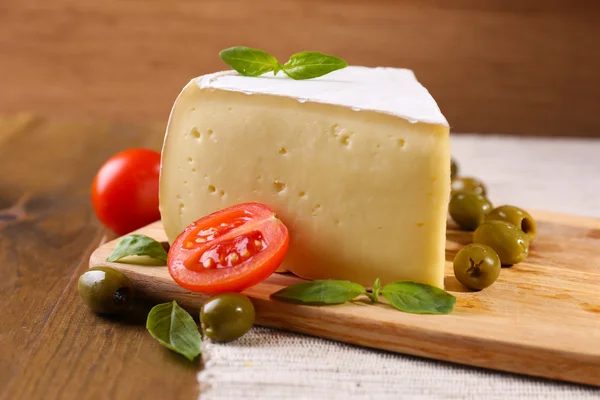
468	184
227	316
105	290
511	244
468	209
453	168
516	216
477	266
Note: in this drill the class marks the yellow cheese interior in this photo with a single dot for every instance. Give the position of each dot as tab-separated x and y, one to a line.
364	195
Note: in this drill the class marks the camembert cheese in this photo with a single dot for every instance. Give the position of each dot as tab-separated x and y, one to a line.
356	164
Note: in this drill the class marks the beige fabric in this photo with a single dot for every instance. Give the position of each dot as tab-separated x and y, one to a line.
550	174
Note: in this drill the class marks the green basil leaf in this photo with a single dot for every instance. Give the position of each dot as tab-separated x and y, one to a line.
312	64
249	62
320	292
418	298
138	245
175	329
374	295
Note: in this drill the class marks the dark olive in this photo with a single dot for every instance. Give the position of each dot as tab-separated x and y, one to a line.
468	184
227	316
468	209
453	168
516	216
508	241
105	290
477	266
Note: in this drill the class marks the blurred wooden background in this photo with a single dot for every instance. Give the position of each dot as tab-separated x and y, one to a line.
511	66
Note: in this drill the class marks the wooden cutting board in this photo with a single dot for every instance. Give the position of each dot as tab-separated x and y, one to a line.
541	317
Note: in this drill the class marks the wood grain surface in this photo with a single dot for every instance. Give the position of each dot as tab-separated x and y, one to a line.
505	66
51	345
542	317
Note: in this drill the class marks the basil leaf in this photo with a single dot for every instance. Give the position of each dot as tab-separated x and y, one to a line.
138	245
418	298
320	292
312	64
175	329
374	295
249	62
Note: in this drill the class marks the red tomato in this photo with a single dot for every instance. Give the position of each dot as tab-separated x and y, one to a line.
230	250
125	190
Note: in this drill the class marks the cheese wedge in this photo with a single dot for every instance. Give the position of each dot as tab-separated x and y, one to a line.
356	164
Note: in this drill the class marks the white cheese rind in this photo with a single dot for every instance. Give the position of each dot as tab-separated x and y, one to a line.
392	91
363	194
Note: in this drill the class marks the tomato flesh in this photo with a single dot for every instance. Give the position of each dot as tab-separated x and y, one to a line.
230	250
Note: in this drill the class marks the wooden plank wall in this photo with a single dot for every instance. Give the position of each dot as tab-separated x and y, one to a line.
512	66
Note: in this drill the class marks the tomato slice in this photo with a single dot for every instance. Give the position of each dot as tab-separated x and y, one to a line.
229	250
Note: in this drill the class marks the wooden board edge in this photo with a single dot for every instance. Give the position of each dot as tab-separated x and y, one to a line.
506	356
406	339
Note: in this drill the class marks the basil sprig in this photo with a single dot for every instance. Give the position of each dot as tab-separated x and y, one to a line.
320	292
250	62
418	298
304	65
374	295
174	328
312	64
410	297
138	245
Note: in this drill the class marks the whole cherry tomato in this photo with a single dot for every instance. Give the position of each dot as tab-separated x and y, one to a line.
125	190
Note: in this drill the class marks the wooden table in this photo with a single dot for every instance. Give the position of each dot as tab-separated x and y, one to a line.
51	345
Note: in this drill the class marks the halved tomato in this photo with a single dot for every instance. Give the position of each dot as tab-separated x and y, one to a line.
229	250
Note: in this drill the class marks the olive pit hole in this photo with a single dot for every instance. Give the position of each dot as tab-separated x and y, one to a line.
121	296
474	270
526	225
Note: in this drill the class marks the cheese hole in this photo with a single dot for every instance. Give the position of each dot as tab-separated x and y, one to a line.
302	193
279	186
334	129
345	139
258	177
401	142
222	193
193	169
420	224
210	132
195	133
282	151
211	189
315	209
190	160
